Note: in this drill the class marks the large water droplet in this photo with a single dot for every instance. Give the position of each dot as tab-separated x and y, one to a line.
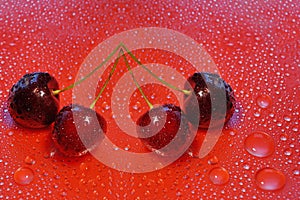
270	179
219	176
23	176
264	101
259	144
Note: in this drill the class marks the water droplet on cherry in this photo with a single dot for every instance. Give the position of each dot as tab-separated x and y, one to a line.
259	144
264	101
219	176
270	179
137	106
105	106
23	176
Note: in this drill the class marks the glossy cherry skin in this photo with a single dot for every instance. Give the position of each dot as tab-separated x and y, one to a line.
162	125
206	86
31	102
77	130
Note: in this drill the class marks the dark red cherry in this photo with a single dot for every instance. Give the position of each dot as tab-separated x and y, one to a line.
77	130
31	102
162	125
208	87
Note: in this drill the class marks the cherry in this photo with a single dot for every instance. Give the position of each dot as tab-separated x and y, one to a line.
161	125
31	102
206	86
78	130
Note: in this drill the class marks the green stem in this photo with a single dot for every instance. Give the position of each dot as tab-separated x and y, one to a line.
55	92
107	80
186	92
135	81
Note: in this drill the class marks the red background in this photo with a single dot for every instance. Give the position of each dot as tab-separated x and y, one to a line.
255	46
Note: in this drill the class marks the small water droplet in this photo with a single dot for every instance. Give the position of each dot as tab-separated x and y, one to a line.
296	172
288	152
105	106
246	167
137	106
219	176
10	133
264	101
23	176
83	166
256	114
287	118
213	160
232	132
283	137
259	144
270	179
29	160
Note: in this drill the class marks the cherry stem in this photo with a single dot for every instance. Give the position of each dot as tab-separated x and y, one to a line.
107	80
186	92
55	92
135	81
121	45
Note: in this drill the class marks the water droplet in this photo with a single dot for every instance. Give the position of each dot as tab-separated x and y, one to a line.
10	133
288	152
264	101
29	160
283	137
296	172
213	160
219	176
137	106
259	144
270	179
105	106
23	176
287	118
246	167
232	132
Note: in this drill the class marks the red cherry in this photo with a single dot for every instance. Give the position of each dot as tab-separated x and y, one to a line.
206	86
31	102
161	125
77	130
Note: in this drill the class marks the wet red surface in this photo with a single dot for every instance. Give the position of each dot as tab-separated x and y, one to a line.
255	46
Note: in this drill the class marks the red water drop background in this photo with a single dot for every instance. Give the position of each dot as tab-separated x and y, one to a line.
255	46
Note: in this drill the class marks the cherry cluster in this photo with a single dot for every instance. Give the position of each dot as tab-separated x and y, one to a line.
33	102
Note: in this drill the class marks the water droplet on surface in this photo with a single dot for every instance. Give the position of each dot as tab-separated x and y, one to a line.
10	133
29	160
219	176
259	144
287	118
270	179
23	176
283	137
232	132
213	160
264	101
288	152
296	172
